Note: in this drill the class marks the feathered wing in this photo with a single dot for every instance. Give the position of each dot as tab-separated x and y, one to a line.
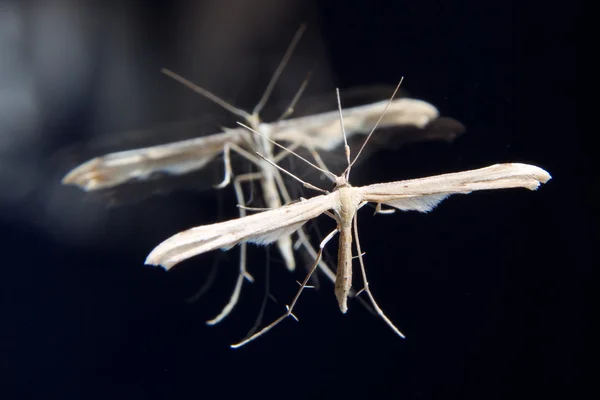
322	131
173	158
262	228
425	193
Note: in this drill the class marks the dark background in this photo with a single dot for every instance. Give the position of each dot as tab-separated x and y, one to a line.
491	289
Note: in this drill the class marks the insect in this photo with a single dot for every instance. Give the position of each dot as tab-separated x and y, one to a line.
315	132
345	200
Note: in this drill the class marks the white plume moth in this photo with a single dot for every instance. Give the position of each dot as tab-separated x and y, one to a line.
342	204
314	132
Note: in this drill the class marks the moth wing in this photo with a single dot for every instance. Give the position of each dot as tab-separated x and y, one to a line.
139	164
323	132
261	228
424	194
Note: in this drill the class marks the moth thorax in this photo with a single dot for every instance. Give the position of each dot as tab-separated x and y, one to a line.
265	129
254	122
349	201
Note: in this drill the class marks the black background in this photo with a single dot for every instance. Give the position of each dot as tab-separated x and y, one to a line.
490	289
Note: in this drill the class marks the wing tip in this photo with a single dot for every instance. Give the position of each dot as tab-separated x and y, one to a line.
536	173
85	176
155	260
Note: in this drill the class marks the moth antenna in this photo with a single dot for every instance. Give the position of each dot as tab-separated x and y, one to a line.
377	124
290	109
346	147
212	97
331	174
304	183
319	161
279	71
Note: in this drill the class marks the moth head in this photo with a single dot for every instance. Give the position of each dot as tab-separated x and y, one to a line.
341	181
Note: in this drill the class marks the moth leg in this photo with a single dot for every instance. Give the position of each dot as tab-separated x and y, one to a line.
255	208
379	210
208	283
251	176
331	215
266	297
304	242
243	273
239	194
366	282
323	267
227	161
302	236
290	308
